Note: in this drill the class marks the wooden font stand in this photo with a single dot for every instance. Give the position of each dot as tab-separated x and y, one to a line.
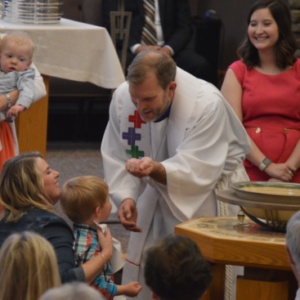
32	125
222	242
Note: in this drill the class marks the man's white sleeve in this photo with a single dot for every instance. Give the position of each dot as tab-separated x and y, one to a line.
198	164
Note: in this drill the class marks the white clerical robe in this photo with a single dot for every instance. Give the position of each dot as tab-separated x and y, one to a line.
201	142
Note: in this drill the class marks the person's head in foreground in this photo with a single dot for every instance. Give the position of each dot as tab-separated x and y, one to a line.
16	52
176	270
293	244
151	78
269	29
28	267
85	200
27	182
72	291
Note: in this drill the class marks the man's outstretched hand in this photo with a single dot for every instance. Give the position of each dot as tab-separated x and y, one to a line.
142	48
147	167
140	167
128	215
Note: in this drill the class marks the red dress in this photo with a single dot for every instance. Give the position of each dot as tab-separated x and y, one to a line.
271	113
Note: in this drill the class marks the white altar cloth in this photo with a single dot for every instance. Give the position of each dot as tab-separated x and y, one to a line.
73	50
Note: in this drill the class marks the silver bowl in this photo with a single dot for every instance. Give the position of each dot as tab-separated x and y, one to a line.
273	192
266	209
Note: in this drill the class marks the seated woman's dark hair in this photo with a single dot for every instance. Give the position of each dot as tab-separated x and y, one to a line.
176	270
286	45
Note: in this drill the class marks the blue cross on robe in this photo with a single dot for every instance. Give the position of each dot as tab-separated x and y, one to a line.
131	136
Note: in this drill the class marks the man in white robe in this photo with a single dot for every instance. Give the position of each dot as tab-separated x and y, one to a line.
170	141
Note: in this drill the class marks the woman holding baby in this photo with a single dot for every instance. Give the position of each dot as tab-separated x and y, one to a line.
20	85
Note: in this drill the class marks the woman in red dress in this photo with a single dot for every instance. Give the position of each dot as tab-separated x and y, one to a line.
263	88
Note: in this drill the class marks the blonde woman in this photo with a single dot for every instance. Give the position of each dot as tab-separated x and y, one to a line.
28	267
29	190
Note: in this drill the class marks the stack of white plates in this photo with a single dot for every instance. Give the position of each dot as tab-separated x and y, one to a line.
32	11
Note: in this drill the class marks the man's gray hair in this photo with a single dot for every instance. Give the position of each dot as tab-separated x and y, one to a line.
155	61
293	238
72	291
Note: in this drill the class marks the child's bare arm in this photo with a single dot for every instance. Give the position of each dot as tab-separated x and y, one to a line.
131	289
15	111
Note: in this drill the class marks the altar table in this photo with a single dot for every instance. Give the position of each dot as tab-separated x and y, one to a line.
69	50
223	241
